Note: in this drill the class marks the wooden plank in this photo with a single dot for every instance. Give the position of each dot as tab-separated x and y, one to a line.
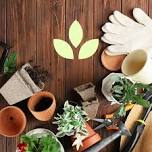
79	71
3	21
149	7
50	24
127	6
21	35
21	29
3	140
102	10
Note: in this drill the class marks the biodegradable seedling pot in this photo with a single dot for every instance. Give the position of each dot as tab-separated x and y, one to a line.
12	121
90	140
42	105
20	86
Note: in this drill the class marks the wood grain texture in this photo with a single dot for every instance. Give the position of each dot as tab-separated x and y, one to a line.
127	6
82	10
30	26
3	140
102	10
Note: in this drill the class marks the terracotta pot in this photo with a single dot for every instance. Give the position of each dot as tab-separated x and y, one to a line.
112	63
12	121
44	113
90	140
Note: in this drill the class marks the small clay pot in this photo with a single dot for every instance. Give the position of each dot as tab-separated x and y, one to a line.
90	140
12	121
112	63
42	105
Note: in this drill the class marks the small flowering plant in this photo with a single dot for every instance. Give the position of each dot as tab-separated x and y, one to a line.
31	143
72	123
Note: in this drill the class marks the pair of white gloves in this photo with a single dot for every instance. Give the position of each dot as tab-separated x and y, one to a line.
126	35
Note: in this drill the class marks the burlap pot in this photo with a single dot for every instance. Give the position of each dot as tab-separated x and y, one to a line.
20	86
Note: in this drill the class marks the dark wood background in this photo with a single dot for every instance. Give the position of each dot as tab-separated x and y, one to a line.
29	26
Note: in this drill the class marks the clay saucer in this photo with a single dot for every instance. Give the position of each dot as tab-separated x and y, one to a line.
112	63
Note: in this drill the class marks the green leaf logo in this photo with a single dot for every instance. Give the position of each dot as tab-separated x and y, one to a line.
75	33
88	49
63	49
75	36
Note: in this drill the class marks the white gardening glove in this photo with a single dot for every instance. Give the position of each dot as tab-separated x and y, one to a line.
125	34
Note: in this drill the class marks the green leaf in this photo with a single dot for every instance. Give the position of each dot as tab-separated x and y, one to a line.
72	120
49	144
141	122
88	48
120	112
31	141
139	100
10	63
44	144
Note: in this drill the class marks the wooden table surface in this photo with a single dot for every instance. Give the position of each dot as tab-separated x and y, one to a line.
29	26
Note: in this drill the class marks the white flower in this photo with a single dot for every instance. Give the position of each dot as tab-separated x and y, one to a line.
78	140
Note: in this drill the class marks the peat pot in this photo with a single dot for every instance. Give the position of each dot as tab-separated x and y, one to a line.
20	86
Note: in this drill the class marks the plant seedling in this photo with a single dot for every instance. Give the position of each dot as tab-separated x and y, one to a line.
72	122
33	144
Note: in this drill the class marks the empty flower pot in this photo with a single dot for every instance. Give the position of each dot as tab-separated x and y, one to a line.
42	105
90	140
112	63
12	121
20	86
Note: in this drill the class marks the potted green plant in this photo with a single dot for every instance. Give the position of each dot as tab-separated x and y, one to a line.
123	90
73	122
39	140
107	83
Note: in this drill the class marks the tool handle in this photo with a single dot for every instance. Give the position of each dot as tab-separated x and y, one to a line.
103	143
132	142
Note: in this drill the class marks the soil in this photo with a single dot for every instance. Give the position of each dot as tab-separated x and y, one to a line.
37	74
43	104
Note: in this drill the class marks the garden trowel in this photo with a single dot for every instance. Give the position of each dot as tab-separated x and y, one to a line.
103	143
139	129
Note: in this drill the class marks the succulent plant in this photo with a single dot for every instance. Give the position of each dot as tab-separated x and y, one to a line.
72	122
126	91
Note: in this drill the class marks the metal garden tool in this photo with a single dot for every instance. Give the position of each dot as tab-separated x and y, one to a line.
103	143
104	123
139	129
